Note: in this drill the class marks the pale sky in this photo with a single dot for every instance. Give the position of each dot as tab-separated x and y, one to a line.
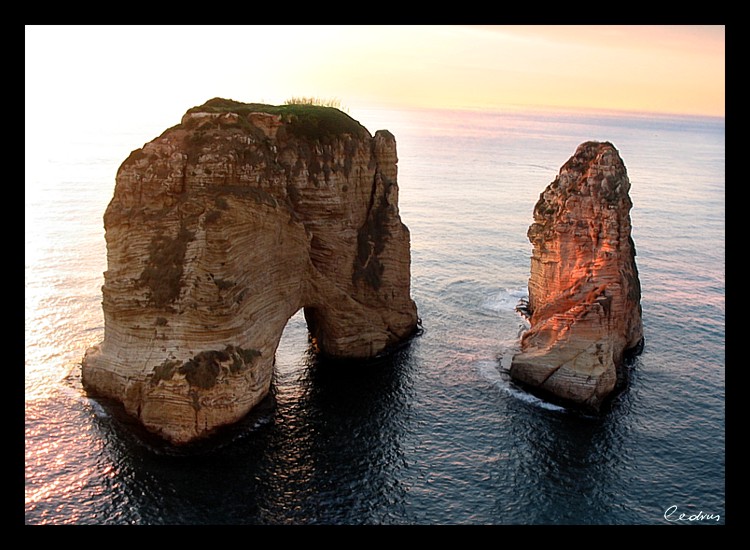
119	72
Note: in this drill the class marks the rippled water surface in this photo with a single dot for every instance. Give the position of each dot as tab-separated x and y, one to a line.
435	434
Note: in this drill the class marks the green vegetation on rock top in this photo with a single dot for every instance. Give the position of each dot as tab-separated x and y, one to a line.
303	120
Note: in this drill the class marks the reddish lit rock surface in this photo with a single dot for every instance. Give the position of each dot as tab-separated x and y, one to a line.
584	292
219	231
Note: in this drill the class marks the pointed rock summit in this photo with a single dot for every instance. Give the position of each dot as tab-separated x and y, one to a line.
584	292
219	231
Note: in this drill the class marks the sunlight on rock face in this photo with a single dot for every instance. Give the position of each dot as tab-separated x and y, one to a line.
584	291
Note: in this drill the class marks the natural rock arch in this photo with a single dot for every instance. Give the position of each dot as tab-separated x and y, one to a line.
224	227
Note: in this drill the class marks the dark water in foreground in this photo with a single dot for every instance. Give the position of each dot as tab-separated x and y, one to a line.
435	434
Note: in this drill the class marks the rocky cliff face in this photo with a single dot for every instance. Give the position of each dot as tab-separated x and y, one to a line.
219	231
584	291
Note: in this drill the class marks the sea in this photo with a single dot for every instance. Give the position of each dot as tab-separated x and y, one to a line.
436	433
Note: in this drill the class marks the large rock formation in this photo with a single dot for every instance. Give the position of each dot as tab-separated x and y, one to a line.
219	231
584	293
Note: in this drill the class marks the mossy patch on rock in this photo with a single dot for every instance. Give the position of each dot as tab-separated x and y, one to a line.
164	371
371	243
203	370
163	272
248	355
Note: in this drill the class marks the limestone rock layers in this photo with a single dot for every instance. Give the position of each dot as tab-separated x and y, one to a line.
219	231
584	292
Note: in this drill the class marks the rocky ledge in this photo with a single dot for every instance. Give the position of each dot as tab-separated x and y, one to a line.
584	292
219	231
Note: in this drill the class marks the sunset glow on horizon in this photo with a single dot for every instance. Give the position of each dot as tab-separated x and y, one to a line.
137	70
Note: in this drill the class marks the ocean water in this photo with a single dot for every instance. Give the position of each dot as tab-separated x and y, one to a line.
435	434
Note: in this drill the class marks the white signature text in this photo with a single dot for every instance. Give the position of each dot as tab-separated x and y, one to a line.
671	514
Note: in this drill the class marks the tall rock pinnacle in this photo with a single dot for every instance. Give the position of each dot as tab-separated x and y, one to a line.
584	291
